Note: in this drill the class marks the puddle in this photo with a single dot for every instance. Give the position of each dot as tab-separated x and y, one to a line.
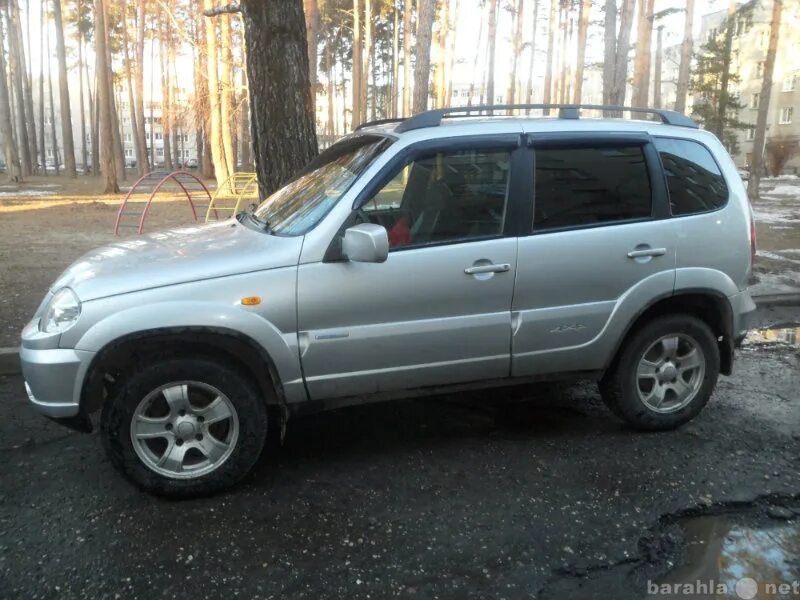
789	336
727	559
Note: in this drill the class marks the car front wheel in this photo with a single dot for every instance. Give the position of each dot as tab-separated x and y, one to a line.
665	373
185	427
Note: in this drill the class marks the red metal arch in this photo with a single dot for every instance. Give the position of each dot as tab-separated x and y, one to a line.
189	184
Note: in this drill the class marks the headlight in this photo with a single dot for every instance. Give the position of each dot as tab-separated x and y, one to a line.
61	312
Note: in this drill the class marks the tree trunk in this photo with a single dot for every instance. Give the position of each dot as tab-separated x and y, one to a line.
516	50
311	11
682	88
166	109
140	133
609	50
25	71
439	75
422	72
282	117
657	71
358	67
103	92
13	167
222	169
116	136
364	102
623	48
492	41
583	28
81	99
94	120
129	79
395	60
718	127
756	166
478	54
16	77
226	92
642	59
451	55
407	35
529	91
42	36
67	140
552	27
53	135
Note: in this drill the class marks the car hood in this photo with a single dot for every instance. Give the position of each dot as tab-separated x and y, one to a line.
177	256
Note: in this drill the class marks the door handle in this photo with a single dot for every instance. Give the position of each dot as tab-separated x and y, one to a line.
644	252
490	268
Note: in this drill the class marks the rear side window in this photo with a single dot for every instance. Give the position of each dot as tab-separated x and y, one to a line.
583	186
694	180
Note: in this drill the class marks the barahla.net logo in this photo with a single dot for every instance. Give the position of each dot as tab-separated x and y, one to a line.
745	588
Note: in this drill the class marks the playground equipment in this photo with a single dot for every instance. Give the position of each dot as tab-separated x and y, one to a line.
230	197
169	186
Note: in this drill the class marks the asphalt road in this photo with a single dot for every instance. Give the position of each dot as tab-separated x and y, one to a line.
472	496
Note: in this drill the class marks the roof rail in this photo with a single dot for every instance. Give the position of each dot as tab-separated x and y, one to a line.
380	122
433	118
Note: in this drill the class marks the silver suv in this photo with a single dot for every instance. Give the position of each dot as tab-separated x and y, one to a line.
431	253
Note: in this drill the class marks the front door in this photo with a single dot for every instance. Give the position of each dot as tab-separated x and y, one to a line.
438	310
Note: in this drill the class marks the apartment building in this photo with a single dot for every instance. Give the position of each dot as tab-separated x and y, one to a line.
750	45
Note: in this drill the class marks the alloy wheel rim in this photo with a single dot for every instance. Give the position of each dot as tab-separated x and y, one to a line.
184	429
670	373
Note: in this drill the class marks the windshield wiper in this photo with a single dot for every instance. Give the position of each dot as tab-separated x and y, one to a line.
250	213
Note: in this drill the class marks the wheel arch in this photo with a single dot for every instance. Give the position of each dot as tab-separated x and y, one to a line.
709	305
121	355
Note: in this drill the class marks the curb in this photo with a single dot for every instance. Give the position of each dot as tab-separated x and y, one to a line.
784	299
9	361
9	357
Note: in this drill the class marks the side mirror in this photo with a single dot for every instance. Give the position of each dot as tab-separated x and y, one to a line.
366	242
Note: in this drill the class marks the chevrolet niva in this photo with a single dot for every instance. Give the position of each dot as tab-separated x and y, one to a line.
426	254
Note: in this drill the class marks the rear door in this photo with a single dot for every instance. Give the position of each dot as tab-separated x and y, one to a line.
601	247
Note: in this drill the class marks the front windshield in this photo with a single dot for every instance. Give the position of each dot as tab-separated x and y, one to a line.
299	205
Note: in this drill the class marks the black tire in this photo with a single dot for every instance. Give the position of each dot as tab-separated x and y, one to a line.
619	386
250	409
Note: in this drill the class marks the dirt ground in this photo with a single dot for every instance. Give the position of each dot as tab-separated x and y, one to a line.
49	222
40	235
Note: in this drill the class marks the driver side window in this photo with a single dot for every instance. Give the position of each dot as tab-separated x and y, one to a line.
443	197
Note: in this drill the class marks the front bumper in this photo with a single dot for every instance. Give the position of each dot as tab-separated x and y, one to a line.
54	379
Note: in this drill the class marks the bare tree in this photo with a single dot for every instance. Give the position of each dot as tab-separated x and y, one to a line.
657	72
222	169
583	28
718	127
363	103
682	88
311	12
552	27
534	32
63	93
492	41
358	66
756	165
140	132
516	49
422	73
53	135
106	168
42	35
25	76
140	151
81	99
439	69
226	91
17	96
13	168
641	67
407	38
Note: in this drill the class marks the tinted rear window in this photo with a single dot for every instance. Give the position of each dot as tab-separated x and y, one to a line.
582	186
695	182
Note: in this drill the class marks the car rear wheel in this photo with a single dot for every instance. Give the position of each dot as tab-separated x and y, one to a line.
665	373
185	427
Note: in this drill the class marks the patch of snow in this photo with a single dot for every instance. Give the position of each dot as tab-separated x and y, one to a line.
776	283
775	256
786	189
781	177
